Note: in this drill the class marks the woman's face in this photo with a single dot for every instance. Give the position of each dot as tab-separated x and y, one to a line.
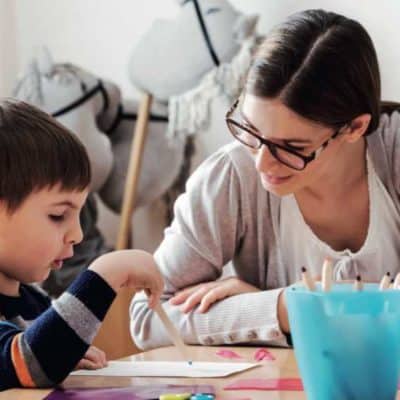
277	123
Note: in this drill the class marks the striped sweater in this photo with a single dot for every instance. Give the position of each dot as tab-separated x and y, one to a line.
40	342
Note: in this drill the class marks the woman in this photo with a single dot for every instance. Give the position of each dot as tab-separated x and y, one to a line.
315	172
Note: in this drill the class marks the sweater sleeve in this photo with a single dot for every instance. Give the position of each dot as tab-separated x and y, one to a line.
207	231
389	130
46	352
394	128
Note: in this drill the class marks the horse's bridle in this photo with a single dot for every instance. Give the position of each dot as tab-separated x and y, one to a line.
99	87
204	30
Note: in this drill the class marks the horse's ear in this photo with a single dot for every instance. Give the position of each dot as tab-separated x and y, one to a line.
45	61
28	86
245	26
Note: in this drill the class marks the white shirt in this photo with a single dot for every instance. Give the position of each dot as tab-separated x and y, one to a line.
378	255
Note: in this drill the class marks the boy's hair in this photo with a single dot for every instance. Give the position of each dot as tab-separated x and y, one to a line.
37	152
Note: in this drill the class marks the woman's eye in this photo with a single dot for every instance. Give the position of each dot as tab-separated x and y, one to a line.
57	218
296	148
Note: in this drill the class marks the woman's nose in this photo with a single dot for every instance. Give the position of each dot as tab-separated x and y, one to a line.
264	159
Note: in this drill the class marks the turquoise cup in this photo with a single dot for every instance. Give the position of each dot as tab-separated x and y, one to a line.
347	343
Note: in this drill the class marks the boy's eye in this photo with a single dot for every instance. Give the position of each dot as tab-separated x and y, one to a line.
57	218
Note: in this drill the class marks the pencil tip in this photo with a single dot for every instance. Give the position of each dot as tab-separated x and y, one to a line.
358	278
303	269
392	280
388	273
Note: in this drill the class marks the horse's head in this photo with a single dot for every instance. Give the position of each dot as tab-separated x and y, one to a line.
59	88
78	99
175	54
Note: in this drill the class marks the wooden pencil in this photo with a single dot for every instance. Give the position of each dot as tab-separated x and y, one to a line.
385	282
307	279
172	332
358	285
396	283
327	275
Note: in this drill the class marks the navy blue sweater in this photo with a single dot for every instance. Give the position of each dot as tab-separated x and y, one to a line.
40	342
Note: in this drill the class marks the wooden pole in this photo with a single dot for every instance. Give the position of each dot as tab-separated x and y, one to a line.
132	177
114	336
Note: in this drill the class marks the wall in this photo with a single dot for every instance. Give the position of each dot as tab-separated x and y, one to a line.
98	34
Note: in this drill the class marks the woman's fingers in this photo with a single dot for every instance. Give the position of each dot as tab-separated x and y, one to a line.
195	298
205	294
181	296
214	295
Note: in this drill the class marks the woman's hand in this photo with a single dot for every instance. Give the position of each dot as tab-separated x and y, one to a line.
93	359
206	294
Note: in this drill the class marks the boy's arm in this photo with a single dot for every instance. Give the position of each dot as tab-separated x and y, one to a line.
51	347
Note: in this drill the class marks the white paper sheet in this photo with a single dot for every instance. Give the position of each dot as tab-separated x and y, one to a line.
168	369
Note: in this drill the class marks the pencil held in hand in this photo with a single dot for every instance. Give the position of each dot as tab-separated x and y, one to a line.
172	332
307	280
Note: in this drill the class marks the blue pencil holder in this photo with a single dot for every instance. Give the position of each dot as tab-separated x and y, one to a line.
347	343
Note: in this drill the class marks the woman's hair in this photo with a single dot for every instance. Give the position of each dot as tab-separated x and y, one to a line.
37	152
321	65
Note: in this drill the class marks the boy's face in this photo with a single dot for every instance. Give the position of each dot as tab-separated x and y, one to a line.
39	235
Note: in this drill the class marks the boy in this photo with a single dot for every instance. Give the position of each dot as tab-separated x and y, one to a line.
44	180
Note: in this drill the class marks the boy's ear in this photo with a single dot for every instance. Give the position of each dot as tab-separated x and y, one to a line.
357	127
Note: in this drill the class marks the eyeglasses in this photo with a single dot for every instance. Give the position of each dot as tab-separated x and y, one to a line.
283	154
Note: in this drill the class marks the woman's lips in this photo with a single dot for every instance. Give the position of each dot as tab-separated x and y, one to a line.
274	180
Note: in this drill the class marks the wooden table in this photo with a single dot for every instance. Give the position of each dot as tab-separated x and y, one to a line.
283	367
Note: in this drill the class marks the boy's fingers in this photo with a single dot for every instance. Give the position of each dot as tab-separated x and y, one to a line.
88	364
96	356
100	356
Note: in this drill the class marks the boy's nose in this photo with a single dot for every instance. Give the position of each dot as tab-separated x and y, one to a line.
264	159
75	235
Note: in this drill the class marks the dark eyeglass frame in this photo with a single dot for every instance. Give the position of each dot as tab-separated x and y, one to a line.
271	145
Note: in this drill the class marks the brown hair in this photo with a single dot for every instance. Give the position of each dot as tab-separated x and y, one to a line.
37	152
322	66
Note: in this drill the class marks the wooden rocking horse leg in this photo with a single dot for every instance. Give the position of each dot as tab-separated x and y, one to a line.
114	336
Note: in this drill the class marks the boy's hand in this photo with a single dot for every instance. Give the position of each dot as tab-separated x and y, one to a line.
133	269
93	359
206	294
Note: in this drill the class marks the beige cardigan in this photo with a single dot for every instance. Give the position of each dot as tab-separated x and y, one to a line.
225	214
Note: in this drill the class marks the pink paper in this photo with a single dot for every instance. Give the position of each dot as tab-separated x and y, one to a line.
263	354
233	398
227	354
292	384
